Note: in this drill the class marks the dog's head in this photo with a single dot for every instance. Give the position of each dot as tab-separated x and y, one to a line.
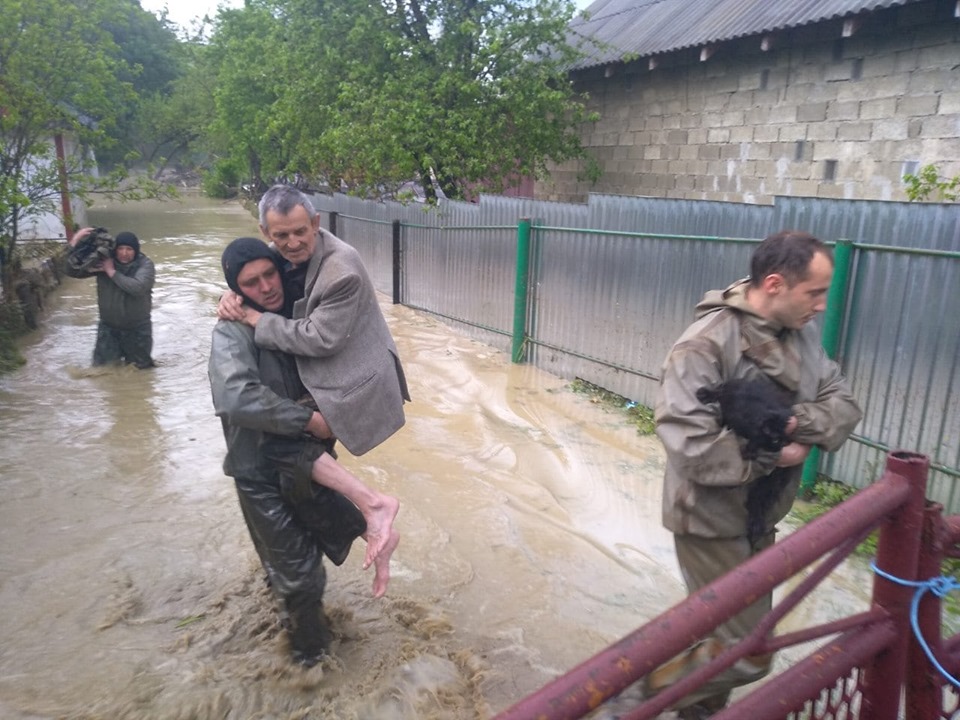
773	429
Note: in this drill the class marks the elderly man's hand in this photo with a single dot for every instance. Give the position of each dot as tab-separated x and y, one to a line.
251	316
231	306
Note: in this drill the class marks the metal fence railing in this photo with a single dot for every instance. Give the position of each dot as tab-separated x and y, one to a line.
577	292
858	671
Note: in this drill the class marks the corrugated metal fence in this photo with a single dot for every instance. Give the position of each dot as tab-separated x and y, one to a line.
613	283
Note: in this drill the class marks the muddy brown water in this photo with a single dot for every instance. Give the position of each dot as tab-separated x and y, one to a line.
129	588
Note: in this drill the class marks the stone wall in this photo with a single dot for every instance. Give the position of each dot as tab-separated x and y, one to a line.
817	115
27	284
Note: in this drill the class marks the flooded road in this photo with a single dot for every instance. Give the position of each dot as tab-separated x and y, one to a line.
129	588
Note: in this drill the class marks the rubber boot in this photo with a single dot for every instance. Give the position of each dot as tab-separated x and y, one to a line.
310	634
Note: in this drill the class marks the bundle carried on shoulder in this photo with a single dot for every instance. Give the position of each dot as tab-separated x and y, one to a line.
91	250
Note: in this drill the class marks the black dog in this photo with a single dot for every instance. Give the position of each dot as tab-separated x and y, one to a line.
758	411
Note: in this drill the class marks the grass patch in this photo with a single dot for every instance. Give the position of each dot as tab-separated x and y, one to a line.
640	416
825	495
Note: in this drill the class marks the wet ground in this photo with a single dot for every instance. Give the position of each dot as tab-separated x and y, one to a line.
129	587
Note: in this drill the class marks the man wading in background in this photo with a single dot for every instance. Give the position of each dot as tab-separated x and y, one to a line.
125	279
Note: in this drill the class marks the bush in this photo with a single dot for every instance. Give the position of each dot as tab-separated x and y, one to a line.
927	184
222	180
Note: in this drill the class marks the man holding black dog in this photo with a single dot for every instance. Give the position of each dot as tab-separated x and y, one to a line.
756	328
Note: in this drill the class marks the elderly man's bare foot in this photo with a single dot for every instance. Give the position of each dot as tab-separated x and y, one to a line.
381	575
379	516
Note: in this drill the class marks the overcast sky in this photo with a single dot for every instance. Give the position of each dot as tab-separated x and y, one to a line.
183	12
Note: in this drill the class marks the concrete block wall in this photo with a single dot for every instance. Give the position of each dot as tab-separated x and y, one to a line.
819	115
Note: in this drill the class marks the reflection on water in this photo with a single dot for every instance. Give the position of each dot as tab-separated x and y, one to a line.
530	525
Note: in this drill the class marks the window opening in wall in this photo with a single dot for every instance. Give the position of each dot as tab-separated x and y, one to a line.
798	151
764	79
829	170
856	71
838	50
909	167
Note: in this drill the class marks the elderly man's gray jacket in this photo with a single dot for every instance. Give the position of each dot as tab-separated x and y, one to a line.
251	395
346	355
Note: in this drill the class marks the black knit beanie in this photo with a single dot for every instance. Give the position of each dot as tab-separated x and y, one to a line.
129	239
241	251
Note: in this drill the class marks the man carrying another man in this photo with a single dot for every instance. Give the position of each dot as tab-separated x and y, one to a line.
321	307
346	356
293	521
757	327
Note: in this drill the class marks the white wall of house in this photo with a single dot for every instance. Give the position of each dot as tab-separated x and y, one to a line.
49	225
818	115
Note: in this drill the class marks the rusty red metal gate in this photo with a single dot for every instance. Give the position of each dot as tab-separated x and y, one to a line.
866	666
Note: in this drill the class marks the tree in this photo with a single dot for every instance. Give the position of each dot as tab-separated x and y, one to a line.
463	95
174	126
150	60
245	49
59	75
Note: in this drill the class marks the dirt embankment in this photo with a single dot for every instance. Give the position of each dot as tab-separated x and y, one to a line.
27	282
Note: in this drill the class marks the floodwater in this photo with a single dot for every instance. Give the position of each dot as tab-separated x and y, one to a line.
129	587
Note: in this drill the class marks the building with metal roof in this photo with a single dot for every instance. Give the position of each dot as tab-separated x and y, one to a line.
619	29
749	99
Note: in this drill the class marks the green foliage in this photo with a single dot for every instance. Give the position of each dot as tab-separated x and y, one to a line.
61	73
830	493
223	180
175	125
928	185
149	59
244	53
462	96
826	495
640	416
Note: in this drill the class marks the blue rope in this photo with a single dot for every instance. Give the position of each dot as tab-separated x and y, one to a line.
939	586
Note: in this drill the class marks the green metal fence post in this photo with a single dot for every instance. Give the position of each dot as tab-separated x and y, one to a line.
520	293
832	324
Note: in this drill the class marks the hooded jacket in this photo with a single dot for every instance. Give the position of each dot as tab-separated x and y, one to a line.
706	481
125	300
252	391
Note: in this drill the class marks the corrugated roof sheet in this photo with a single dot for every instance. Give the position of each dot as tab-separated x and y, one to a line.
639	28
